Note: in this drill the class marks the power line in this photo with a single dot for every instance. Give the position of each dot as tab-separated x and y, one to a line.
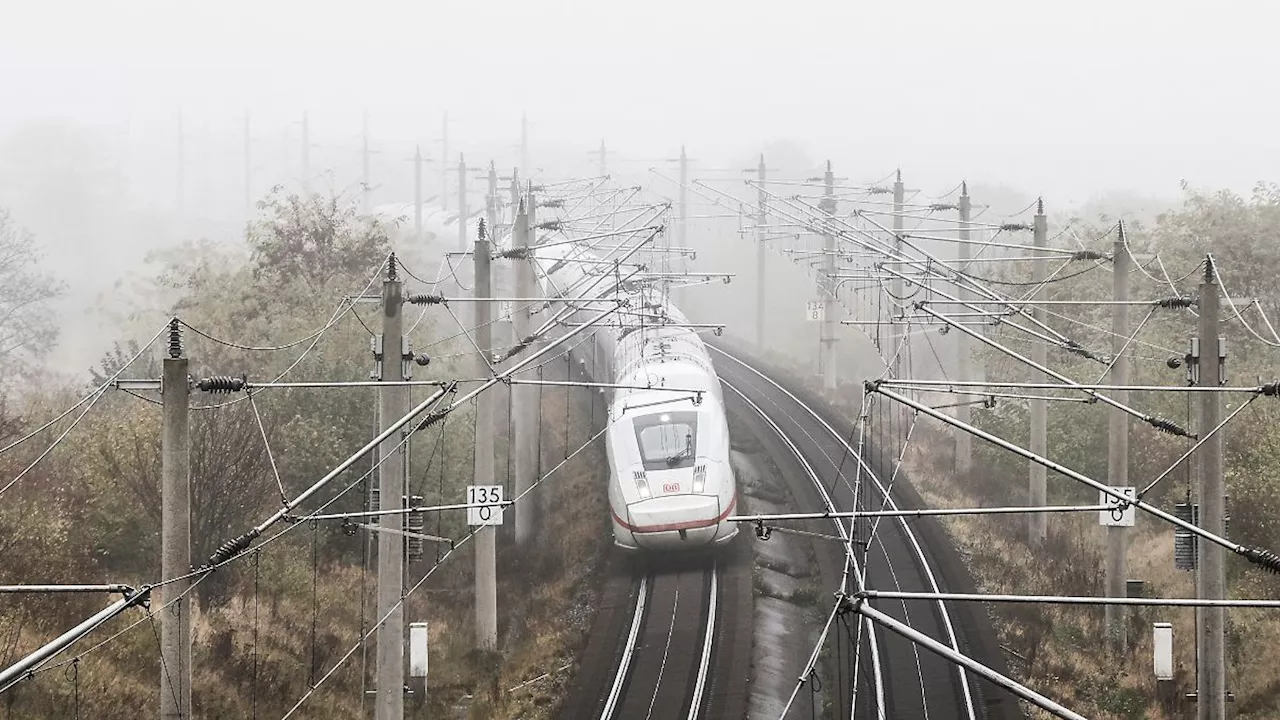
53	445
92	395
346	305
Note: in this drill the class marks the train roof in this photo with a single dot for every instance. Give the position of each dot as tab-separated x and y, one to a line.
649	329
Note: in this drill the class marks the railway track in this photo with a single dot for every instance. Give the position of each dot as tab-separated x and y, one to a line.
671	639
675	641
833	570
667	656
919	684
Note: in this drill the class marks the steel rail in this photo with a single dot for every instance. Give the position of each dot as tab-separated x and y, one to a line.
628	650
877	670
631	647
964	661
704	666
906	529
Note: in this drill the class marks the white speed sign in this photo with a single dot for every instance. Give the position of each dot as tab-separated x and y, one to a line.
487	513
1114	515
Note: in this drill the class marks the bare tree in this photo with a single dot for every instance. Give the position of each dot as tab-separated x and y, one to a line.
231	485
25	328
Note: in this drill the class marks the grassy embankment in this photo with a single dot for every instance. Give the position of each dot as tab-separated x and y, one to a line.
254	652
1062	650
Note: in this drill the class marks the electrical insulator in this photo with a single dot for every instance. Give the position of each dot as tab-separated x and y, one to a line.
415	522
222	384
175	339
1185	541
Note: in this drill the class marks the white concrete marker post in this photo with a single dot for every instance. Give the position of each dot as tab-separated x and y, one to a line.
418	662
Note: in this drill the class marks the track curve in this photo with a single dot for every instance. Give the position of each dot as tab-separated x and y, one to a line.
832	570
655	652
922	685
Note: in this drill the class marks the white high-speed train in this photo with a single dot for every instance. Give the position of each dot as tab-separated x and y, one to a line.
439	226
671	484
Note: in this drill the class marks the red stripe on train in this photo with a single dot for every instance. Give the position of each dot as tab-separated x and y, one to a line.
671	527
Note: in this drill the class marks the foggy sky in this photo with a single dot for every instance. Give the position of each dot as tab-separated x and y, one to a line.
1065	99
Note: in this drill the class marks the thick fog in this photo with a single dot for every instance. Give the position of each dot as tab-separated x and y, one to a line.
122	128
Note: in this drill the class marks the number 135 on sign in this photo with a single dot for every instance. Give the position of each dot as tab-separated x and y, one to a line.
483	495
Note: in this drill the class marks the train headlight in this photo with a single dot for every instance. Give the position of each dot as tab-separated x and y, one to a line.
699	478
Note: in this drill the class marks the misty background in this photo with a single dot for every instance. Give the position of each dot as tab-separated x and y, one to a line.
122	131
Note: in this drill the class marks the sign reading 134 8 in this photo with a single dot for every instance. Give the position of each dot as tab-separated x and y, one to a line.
815	310
487	513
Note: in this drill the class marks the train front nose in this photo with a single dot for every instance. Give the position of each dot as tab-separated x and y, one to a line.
675	521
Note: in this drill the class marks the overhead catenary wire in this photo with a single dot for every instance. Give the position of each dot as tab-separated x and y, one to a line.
238	546
954	385
893	254
1132	338
201	574
1258	556
102	392
275	471
344	306
1204	436
294	521
259	348
257	549
1156	422
1068	599
92	395
102	643
1217	273
408	592
897	350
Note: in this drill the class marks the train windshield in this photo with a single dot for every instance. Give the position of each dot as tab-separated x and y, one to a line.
667	440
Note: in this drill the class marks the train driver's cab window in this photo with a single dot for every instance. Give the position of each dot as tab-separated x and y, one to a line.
668	440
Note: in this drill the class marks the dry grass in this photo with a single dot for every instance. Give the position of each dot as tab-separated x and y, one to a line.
1061	650
546	600
545	596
